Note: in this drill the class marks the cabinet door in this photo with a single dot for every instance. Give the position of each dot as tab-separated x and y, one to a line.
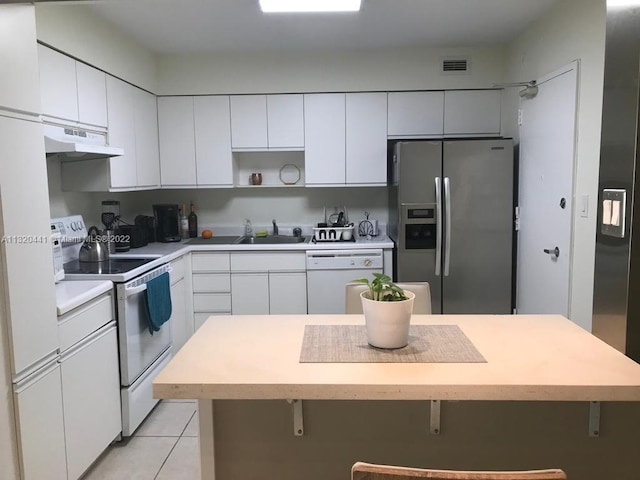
146	130
120	98
58	84
472	112
92	95
250	293
26	267
285	120
366	138
415	114
214	162
40	425
324	138
19	91
287	293
91	399
180	328
248	121
177	144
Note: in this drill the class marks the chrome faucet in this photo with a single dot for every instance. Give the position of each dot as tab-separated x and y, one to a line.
275	227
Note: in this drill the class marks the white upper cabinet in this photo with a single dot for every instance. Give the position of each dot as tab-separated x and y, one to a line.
415	114
366	138
324	138
249	121
92	95
472	112
177	141
212	120
71	90
285	121
120	105
146	133
267	122
19	81
58	85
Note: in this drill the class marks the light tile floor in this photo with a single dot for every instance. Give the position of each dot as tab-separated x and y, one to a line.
164	447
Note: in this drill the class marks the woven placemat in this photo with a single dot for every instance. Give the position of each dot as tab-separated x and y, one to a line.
348	344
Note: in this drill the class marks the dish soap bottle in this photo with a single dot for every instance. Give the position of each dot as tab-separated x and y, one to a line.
248	229
193	222
184	223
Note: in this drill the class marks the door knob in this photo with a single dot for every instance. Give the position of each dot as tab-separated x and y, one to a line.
555	251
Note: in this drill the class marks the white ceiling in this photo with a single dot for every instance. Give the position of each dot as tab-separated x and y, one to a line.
189	26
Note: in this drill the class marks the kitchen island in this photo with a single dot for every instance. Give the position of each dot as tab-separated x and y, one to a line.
534	403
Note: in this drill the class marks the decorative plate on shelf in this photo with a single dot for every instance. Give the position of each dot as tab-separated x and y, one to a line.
289	174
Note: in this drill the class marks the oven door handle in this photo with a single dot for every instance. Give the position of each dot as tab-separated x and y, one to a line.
135	290
129	291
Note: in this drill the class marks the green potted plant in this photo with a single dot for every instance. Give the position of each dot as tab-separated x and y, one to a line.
387	312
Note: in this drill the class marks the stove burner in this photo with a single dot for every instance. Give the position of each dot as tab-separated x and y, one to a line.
111	266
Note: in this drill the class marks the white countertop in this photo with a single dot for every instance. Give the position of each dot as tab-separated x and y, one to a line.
73	293
173	250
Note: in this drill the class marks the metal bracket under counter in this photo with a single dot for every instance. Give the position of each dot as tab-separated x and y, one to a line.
298	421
594	418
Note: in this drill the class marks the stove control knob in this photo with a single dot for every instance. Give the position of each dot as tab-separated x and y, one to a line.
367	262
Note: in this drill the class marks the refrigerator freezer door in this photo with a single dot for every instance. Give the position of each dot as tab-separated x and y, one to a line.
419	165
480	193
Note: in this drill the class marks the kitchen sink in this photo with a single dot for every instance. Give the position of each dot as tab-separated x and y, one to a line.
220	240
271	240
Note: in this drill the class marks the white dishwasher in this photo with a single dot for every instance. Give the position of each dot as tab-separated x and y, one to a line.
328	271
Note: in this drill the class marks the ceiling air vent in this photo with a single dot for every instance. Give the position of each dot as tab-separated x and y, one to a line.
455	65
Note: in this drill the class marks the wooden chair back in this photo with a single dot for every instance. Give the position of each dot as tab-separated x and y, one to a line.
370	471
421	304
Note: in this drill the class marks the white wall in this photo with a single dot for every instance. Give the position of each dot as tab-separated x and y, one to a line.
383	69
573	29
75	30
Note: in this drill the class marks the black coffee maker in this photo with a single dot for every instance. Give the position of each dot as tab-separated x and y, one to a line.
167	217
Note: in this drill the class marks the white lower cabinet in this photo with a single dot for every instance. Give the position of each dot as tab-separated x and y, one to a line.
181	323
287	292
91	398
40	425
211	285
268	283
90	377
250	293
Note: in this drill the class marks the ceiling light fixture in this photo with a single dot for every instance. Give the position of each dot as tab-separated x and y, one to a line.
302	6
623	3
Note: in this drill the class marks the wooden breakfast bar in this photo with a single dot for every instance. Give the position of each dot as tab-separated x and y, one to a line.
545	394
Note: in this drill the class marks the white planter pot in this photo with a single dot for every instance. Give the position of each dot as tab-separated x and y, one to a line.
387	322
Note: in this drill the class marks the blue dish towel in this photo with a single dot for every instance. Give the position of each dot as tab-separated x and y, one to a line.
158	301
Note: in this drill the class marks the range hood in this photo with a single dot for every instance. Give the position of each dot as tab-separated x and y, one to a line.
76	144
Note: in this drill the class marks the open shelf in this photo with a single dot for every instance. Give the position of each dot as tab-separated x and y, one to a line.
269	165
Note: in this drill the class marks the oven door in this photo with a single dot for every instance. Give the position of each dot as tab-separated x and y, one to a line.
138	348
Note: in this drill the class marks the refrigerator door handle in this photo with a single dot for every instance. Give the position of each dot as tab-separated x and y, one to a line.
447	208
438	225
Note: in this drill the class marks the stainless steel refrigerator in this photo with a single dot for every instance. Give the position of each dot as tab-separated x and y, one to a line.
616	302
451	216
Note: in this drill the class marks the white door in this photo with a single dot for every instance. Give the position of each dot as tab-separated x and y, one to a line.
547	140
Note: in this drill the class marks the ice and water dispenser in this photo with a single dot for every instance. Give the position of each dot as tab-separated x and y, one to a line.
420	226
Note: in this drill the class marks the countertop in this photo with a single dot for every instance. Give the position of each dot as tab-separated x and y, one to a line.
170	251
73	293
529	357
